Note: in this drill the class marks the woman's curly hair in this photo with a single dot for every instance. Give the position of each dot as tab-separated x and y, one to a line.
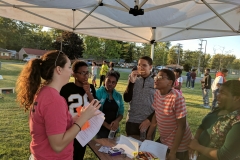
30	78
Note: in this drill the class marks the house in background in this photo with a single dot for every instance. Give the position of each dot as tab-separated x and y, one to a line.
13	54
31	53
5	54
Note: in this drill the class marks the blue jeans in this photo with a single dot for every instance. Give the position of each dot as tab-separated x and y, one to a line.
205	96
188	82
214	97
193	82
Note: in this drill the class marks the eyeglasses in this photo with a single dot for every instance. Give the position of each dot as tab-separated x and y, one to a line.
83	73
57	58
156	78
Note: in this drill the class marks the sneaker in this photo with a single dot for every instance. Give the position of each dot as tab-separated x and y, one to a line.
208	107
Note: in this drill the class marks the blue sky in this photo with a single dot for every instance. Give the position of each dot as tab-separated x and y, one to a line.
226	45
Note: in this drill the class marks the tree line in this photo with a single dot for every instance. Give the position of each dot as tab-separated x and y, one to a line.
15	35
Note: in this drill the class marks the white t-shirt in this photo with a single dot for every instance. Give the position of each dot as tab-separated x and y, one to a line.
180	79
217	80
94	70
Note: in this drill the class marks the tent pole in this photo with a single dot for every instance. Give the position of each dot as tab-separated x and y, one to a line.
152	50
153	30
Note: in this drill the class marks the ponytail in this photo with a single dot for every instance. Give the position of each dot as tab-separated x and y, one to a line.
29	80
28	83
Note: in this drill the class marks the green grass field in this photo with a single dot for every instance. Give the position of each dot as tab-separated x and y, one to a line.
14	130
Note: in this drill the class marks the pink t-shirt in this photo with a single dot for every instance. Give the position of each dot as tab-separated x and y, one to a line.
176	83
51	117
168	109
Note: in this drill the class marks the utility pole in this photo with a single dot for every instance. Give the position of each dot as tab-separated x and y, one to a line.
204	55
199	58
178	52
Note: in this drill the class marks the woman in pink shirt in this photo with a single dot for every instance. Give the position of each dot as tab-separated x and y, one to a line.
51	126
178	81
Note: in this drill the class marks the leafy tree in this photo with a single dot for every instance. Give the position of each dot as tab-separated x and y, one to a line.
216	61
127	51
187	57
205	59
228	60
167	46
173	55
110	49
138	52
25	55
236	64
37	40
8	33
191	59
100	48
160	53
220	61
146	50
72	45
186	67
92	47
16	34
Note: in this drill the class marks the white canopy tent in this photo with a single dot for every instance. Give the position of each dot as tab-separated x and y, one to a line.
149	21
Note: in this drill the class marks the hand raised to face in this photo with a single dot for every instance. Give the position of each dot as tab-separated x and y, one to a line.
133	76
86	86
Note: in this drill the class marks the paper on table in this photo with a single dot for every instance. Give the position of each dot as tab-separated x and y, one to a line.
86	135
155	148
130	146
139	142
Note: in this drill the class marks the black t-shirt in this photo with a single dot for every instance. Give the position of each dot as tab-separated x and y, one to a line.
76	96
110	109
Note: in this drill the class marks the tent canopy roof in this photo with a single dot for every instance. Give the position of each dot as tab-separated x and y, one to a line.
165	20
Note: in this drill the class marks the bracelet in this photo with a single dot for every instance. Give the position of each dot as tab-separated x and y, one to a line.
77	125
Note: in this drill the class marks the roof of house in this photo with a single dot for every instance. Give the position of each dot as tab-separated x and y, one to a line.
4	50
14	52
37	52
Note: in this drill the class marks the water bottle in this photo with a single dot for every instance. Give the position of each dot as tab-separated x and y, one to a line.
142	135
111	134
